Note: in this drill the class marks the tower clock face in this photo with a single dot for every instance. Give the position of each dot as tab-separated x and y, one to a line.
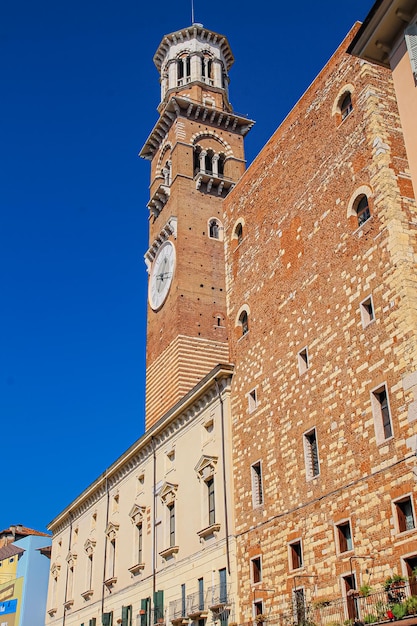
161	275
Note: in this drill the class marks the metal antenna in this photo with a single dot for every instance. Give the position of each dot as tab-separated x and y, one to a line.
192	11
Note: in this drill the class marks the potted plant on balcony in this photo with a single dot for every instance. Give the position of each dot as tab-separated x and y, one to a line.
394	586
260	618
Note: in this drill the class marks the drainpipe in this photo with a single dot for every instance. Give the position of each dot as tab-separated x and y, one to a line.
226	517
66	579
105	543
154	522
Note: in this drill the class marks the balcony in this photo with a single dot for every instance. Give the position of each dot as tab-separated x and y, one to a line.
196	608
209	183
178	611
218	597
87	594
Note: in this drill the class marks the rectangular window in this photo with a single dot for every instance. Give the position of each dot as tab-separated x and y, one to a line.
201	594
258	609
92	621
252	400
367	312
211	502
295	555
256	569
139	539
257	490
144	611
107	619
171	510
382	414
344	537
223	585
311	454
303	363
405	514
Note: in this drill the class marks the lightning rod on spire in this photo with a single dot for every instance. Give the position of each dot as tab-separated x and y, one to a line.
192	11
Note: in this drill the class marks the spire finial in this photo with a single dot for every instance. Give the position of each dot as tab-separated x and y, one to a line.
192	11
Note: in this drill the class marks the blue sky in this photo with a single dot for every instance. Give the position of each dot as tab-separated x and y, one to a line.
79	98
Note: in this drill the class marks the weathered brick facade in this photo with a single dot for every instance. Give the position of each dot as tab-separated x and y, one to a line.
305	272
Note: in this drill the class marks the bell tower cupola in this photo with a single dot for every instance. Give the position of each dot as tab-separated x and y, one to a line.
196	150
192	59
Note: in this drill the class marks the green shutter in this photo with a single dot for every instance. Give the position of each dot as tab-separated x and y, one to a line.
158	603
127	615
107	619
144	611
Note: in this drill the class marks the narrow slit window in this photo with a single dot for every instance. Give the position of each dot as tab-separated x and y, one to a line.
311	454
367	311
303	361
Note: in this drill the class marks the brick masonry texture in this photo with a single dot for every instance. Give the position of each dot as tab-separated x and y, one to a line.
302	270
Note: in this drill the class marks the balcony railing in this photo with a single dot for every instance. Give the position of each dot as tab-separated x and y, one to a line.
218	596
178	609
195	604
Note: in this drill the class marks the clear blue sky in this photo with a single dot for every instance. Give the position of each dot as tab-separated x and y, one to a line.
79	97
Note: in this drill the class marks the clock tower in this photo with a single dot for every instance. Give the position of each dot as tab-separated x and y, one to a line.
197	155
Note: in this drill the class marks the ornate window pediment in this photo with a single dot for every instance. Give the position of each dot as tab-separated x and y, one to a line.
206	466
89	546
168	493
55	569
137	513
111	530
71	558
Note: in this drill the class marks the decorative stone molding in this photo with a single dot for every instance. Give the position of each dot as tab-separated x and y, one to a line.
111	530
55	569
169	552
89	546
206	467
110	582
169	229
137	513
68	604
209	531
135	569
87	594
168	493
71	558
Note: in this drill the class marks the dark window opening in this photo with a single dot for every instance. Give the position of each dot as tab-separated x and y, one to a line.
296	555
344	536
362	211
256	570
346	106
405	515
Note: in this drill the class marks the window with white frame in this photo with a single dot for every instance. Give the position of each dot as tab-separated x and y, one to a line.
404	514
382	414
256	569
344	537
257	487
295	554
311	454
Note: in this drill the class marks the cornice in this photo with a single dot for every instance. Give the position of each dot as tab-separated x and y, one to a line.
196	31
178	417
185	107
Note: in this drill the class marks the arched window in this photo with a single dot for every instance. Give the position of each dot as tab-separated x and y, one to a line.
362	210
197	151
166	173
346	105
206	68
244	322
209	161
214	229
220	166
239	233
183	69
